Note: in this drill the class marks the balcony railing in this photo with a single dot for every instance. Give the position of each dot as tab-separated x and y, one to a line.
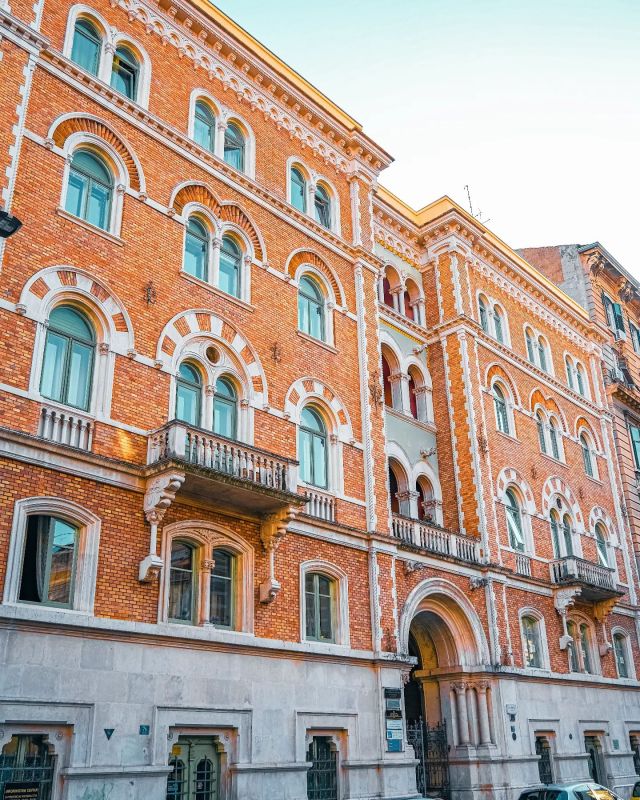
65	427
577	570
207	450
437	540
523	565
320	505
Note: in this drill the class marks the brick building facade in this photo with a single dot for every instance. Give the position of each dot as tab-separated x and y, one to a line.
241	559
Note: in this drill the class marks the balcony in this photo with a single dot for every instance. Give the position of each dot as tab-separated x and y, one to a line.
595	581
65	427
320	505
432	539
231	473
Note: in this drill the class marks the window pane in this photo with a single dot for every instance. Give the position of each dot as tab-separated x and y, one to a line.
234	147
224	417
125	73
326	620
306	472
79	378
298	191
76	190
67	320
188	404
86	47
584	646
181	583
55	351
221	595
310	611
204	127
62	538
319	461
98	205
196	256
619	646
229	273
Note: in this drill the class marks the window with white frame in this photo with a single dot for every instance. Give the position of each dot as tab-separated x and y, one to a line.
222	415
323	206
312	448
324	603
493	319
311	308
515	526
235	146
53	555
582	657
90	188
125	72
549	434
561	534
204	125
589	457
532	650
635	336
69	356
538	351
501	409
86	48
621	654
576	376
634	434
602	546
614	316
298	189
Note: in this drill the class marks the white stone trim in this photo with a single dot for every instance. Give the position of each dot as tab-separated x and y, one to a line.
534	613
328	294
341	607
226	117
84	586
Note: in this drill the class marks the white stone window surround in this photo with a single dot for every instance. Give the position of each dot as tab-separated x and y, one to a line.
592	644
88	544
397	288
490	304
527	512
534	613
335	474
598	515
330	301
341	601
536	335
217	111
109	341
593	449
111	39
217	230
572	363
121	183
313	179
205	537
631	666
193	349
576	538
546	428
510	404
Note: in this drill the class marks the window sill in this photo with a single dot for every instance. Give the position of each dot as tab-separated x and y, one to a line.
554	460
218	292
597	481
110	237
510	437
319	342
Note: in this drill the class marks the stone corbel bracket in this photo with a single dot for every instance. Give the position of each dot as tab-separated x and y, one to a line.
601	611
160	493
272	529
563	600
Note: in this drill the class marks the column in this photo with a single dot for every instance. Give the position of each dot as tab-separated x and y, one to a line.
483	712
219	143
463	716
398	299
400	391
216	244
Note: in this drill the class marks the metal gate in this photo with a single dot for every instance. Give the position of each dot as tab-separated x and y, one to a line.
432	751
27	762
545	767
322	777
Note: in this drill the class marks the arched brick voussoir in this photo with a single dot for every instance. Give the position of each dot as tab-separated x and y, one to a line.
307	390
198	193
310	257
511	477
50	286
232	214
555	486
200	322
65	126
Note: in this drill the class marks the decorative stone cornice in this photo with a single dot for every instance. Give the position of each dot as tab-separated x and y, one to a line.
213	50
32	39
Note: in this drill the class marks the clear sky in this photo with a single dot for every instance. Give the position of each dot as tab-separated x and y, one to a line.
534	105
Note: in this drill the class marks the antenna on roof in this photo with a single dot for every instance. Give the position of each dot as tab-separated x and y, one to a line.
478	216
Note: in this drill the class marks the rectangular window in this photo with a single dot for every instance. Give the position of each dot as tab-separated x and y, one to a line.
635	444
635	336
48	564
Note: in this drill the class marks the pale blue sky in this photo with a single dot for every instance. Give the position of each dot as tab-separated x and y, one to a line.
535	105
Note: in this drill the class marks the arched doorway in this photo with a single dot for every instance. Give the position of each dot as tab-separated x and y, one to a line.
447	708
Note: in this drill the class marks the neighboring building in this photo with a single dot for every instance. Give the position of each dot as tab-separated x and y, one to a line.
293	485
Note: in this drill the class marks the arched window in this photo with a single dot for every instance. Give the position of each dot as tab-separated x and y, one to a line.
386	292
585	648
531	642
587	457
542	354
386	381
553	436
484	316
196	249
621	653
514	521
125	73
601	545
90	189
567	534
69	354
87	44
322	203
230	267
225	404
426	505
313	448
181	583
580	380
298	190
500	403
311	308
221	603
204	126
580	648
498	323
571	380
413	400
48	562
540	425
319	595
188	394
555	532
393	492
234	146
528	335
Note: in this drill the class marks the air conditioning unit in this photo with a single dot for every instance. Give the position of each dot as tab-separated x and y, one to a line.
619	335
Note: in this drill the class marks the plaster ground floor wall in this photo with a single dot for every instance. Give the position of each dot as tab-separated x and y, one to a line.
113	707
